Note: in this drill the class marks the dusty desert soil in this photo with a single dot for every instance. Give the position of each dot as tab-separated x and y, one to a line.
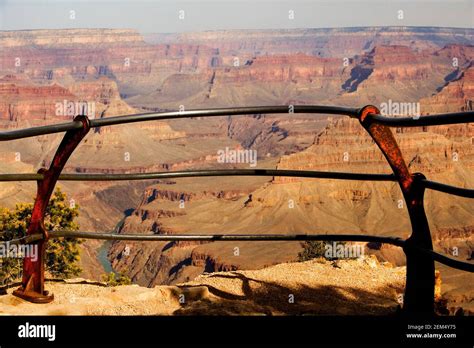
317	287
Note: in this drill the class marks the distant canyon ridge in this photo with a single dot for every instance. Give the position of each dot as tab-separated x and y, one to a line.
120	71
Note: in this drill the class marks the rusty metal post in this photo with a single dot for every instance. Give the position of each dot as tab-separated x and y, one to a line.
32	288
420	277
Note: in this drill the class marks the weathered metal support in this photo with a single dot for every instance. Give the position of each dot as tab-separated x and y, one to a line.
419	289
32	288
420	277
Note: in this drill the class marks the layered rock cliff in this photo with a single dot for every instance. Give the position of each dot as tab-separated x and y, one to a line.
290	205
123	74
66	37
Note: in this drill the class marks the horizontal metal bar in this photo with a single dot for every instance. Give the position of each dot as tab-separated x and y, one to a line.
21	177
42	130
282	109
463	266
450	118
210	237
24	240
229	172
453	190
430	120
433	185
204	173
150	116
229	237
458	191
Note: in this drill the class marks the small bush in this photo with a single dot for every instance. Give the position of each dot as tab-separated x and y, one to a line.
116	279
312	249
315	249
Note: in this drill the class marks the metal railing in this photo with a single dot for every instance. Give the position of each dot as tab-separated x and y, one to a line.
418	248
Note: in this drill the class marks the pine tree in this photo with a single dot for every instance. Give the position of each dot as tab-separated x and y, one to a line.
62	254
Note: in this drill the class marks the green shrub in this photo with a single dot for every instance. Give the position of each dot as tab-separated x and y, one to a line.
312	249
315	249
116	279
62	254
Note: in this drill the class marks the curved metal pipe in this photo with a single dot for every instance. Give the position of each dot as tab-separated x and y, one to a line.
230	237
230	172
432	120
205	173
153	116
42	130
429	120
282	109
464	266
453	190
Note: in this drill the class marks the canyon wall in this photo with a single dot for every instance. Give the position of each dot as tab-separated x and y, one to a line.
122	72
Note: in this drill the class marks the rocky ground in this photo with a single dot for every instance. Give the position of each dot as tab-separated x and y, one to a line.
316	287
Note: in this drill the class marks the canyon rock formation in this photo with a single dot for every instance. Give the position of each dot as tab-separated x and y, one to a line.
121	72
